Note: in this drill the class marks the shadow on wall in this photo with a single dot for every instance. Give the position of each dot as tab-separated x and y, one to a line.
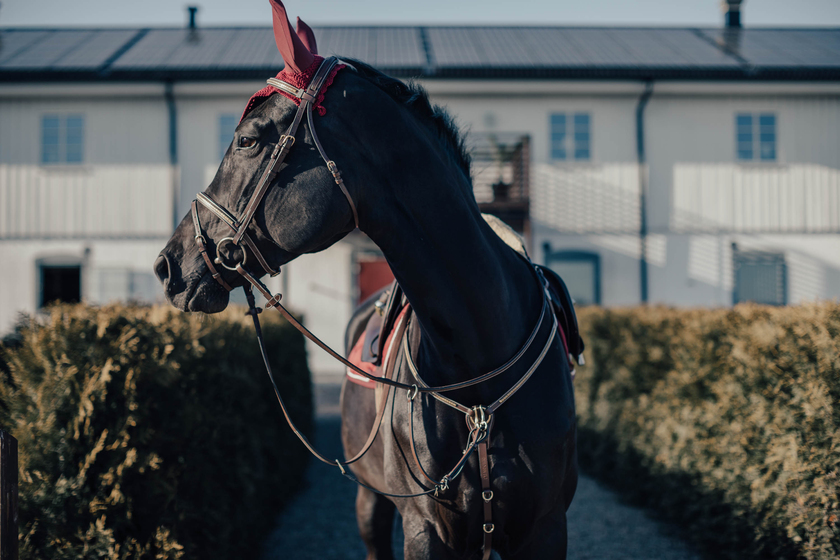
693	270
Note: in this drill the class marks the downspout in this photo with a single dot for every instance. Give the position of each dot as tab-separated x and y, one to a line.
173	150
643	188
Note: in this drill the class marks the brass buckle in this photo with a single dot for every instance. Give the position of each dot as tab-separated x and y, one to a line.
487	495
488	528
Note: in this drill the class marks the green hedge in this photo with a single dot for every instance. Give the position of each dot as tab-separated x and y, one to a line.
146	433
724	420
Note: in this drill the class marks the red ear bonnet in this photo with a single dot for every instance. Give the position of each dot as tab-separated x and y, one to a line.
295	54
299	52
306	36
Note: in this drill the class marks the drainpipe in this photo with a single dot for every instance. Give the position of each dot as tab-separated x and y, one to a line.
643	188
173	150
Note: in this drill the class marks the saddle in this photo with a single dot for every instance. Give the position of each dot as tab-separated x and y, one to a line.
368	350
386	308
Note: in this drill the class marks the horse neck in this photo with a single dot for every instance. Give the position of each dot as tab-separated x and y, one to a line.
474	298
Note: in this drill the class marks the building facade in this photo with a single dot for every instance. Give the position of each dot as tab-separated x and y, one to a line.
669	166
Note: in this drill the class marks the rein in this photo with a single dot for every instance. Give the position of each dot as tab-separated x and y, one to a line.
479	419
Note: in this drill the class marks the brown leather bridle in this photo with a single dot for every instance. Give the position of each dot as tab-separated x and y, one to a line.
240	227
479	419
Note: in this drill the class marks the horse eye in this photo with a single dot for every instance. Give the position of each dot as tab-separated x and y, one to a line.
247	142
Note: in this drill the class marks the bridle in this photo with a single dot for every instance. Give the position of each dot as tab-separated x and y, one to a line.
479	419
240	226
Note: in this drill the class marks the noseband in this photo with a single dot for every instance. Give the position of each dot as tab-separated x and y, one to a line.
239	227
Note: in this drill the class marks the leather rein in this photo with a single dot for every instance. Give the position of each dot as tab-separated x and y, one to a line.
479	419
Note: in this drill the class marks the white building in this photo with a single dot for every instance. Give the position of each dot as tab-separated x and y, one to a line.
669	165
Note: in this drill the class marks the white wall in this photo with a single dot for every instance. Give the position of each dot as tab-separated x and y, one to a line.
45	201
688	127
101	261
695	178
199	107
117	130
692	168
612	117
321	286
692	129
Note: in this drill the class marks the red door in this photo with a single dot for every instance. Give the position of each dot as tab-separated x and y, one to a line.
374	273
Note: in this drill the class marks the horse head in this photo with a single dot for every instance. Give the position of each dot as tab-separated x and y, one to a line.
301	204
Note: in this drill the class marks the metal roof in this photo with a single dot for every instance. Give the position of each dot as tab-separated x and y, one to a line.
220	53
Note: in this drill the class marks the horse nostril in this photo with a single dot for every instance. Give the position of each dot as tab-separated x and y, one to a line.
162	268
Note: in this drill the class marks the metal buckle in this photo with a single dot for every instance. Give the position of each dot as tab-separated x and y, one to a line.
488	527
479	418
218	260
333	168
487	495
412	392
442	486
379	306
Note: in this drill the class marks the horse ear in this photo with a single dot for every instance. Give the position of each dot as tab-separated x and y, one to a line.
295	54
307	36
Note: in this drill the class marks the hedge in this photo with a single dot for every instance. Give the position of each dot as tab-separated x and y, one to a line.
146	433
726	421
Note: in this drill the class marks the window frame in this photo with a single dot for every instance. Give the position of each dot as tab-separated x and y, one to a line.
57	262
756	137
575	256
63	142
775	258
570	136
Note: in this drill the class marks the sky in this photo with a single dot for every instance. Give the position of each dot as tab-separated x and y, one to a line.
135	13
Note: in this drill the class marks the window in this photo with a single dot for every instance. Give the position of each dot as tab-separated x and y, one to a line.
580	270
582	136
767	137
558	136
577	143
62	138
60	283
227	126
755	136
760	277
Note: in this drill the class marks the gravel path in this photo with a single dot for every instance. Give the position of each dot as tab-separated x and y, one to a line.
320	523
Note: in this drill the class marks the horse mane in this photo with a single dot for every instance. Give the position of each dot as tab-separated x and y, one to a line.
414	97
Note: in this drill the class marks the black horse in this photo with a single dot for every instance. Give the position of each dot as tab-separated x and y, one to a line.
474	303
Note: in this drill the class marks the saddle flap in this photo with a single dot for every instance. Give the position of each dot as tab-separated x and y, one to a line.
370	346
564	309
393	307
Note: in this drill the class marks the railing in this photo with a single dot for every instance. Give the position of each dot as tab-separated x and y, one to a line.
725	197
501	167
586	198
107	201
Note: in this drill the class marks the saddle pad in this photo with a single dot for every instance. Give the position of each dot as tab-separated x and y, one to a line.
355	357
